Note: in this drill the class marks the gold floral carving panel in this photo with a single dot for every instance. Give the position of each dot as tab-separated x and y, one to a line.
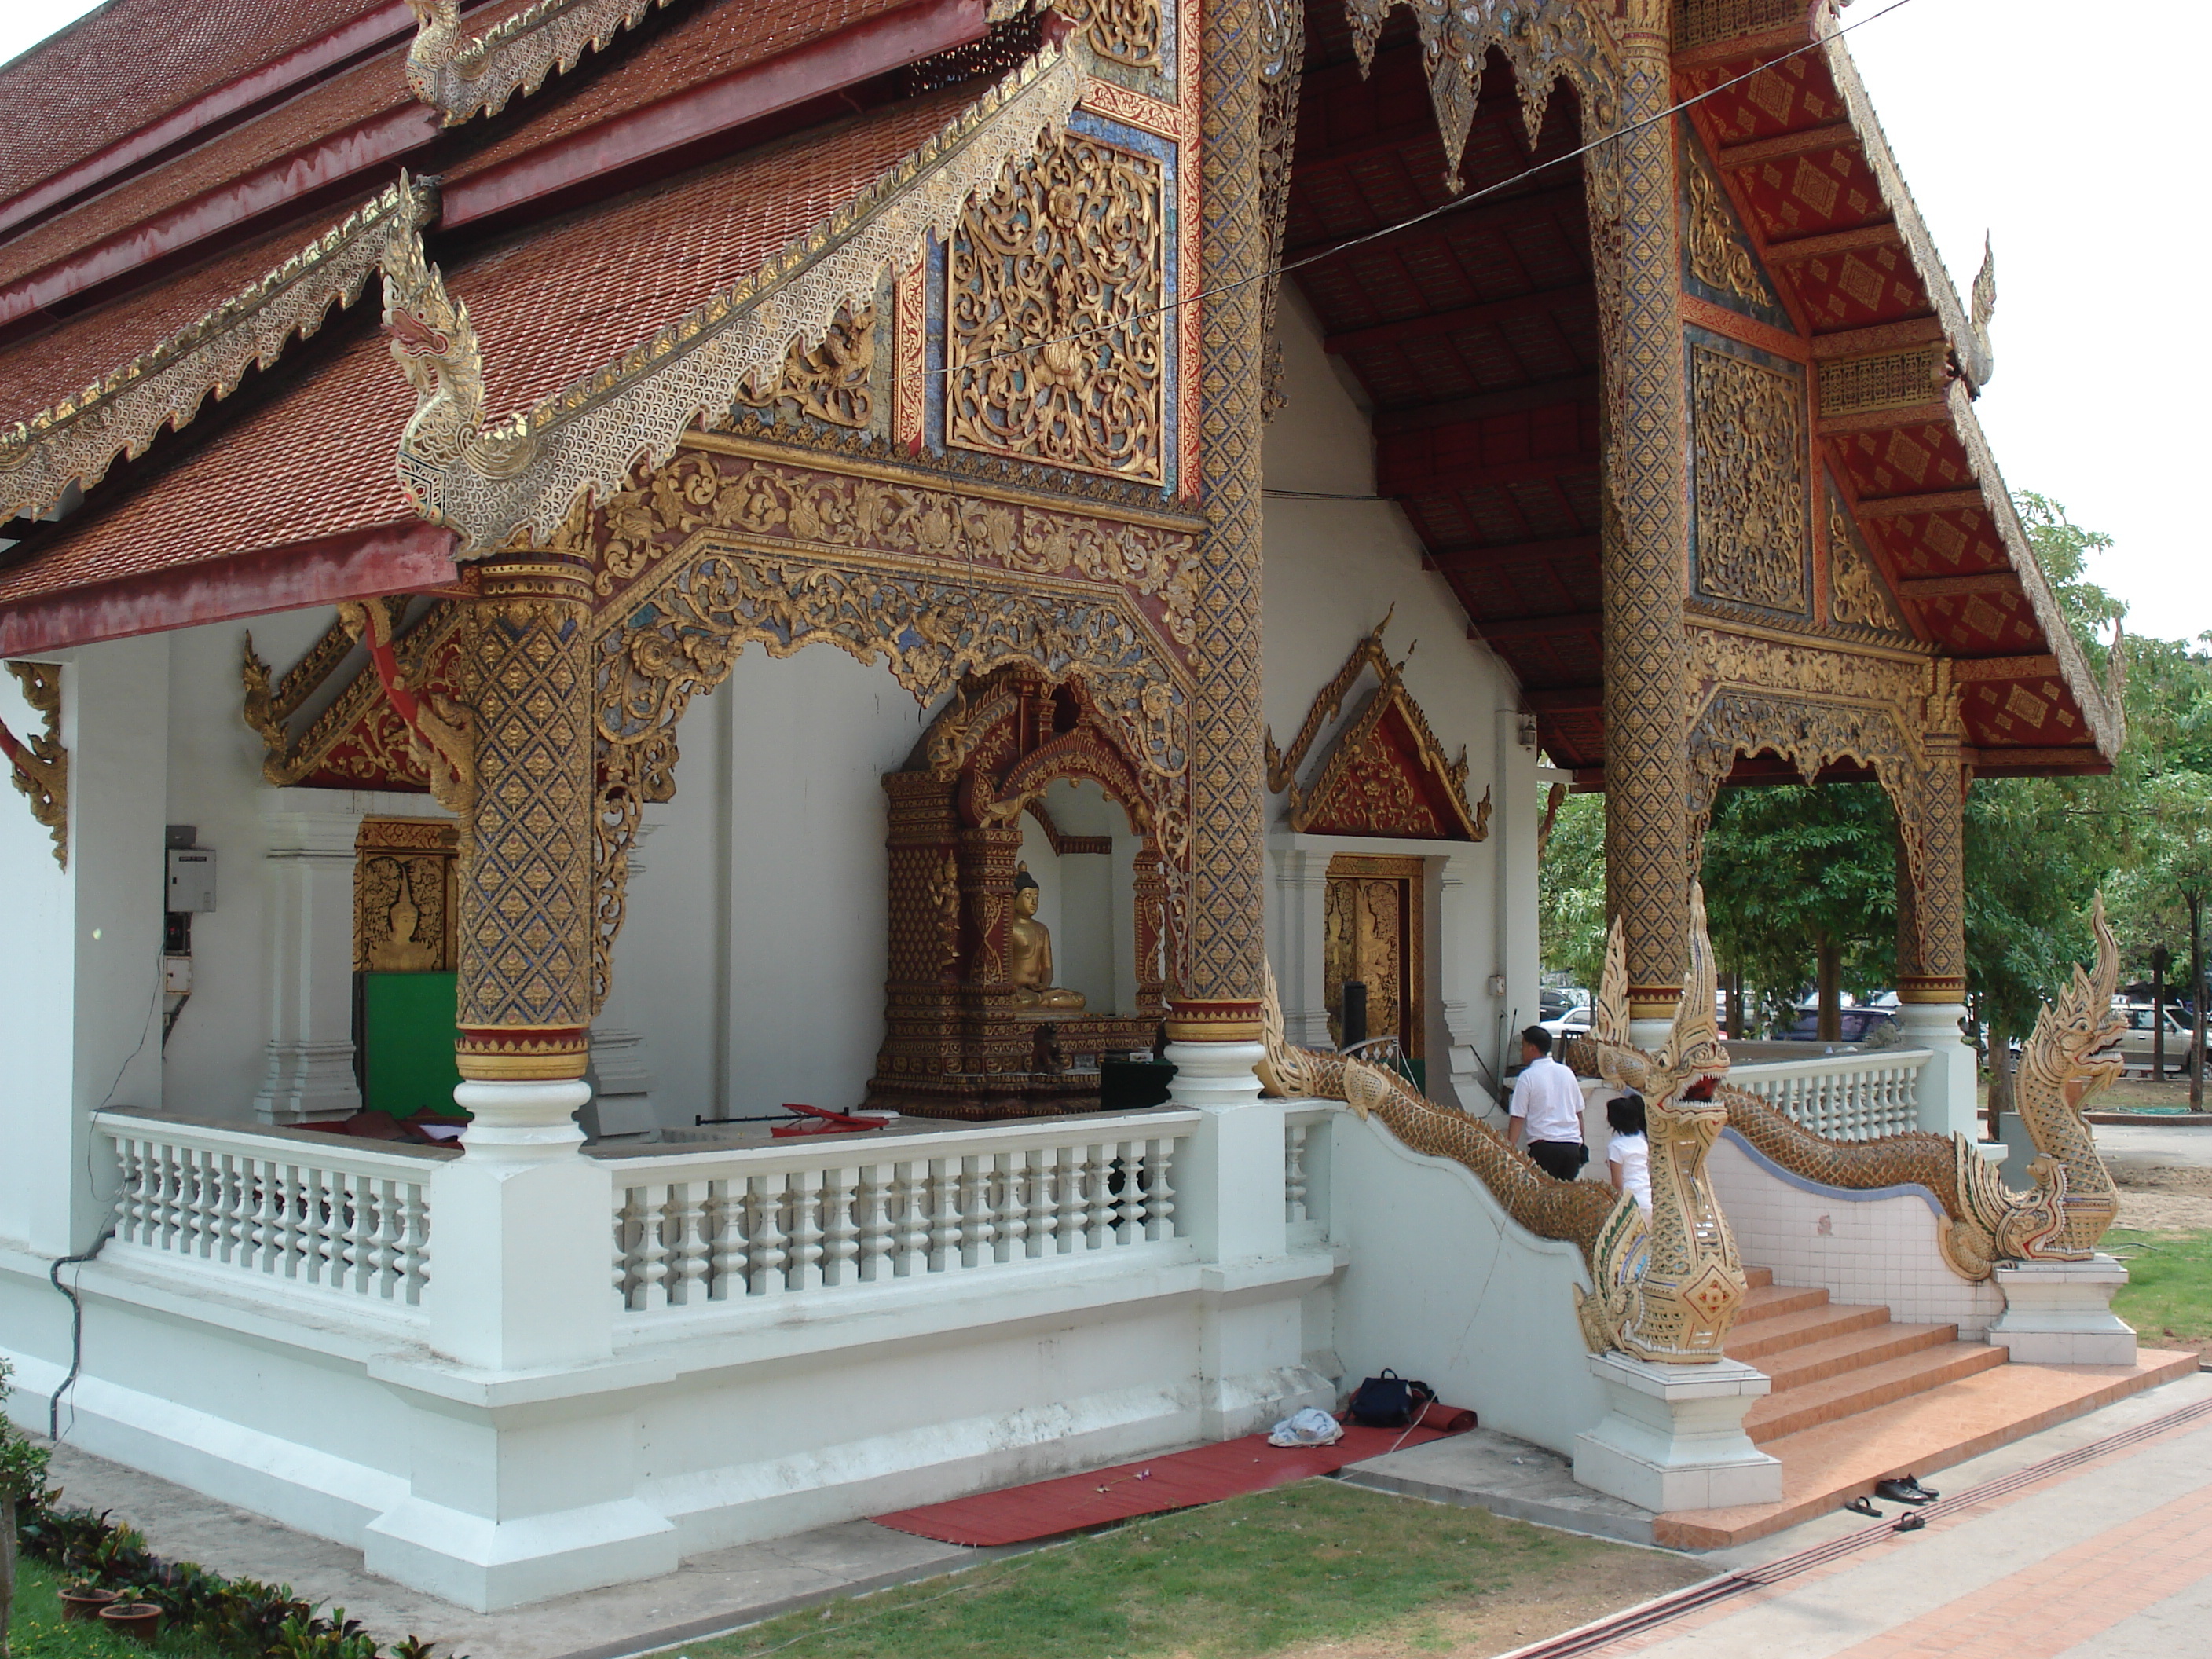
833	382
39	765
403	895
1856	597
1055	338
1372	934
1120	30
1717	256
1749	482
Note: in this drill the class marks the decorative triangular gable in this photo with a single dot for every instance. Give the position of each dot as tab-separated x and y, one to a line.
358	741
1384	774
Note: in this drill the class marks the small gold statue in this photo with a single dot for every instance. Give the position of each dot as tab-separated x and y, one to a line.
1028	951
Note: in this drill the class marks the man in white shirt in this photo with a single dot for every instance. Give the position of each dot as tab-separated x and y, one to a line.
1547	1110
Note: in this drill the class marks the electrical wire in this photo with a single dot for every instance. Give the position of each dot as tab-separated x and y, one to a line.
1465	200
107	1232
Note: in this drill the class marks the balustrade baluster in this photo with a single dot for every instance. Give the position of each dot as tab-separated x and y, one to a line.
772	1252
1009	1225
973	1195
1294	1172
807	1230
414	1243
841	1225
688	1286
874	1262
1159	1194
913	1219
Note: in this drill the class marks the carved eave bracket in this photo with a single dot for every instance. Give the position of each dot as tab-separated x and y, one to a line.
514	481
357	739
461	79
38	764
1545	42
118	415
1385	773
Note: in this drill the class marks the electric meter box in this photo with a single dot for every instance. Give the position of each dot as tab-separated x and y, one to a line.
191	878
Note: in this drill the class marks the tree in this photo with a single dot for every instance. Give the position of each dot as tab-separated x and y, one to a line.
2173	866
22	1477
1570	892
1803	881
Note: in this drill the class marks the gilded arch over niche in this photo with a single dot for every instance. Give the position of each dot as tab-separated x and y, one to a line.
959	1042
696	563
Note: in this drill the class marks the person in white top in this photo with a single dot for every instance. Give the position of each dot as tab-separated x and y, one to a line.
1547	1110
1628	1153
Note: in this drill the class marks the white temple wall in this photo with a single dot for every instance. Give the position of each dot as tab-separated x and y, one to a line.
759	938
1334	568
214	1060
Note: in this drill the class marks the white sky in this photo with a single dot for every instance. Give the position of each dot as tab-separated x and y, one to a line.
2067	139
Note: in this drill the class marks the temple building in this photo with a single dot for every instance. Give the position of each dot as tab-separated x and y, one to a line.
580	575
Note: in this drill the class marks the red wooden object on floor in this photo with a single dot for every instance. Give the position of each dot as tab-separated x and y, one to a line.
1176	1481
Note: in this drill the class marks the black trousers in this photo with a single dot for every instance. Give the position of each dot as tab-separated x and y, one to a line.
1561	1160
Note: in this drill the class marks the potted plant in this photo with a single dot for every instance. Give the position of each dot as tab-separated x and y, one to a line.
82	1598
133	1612
23	1474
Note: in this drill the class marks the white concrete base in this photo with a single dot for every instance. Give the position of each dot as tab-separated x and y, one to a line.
1672	1437
1948	1105
2060	1313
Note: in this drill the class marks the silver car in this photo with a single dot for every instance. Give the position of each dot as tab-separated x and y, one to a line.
2135	1043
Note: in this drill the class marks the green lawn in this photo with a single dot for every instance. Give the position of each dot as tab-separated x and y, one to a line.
2169	1290
1318	1561
41	1633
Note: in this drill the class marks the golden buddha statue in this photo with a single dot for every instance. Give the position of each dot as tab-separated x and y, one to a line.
1028	952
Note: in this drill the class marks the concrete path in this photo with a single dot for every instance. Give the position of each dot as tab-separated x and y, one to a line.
708	1593
2154	1146
2112	1560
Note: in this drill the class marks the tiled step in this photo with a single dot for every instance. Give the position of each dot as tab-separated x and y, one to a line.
1811	1404
1816	1362
1773	1300
1825	1466
1767	1341
1758	1278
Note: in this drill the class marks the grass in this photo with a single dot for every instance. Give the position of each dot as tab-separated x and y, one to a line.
1317	1561
40	1631
2169	1287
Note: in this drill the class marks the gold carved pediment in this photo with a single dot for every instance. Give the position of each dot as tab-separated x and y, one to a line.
1384	774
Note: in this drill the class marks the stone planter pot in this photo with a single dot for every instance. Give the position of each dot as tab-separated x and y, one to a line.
87	1606
141	1620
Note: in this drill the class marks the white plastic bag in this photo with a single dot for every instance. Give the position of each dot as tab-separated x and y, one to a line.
1309	1427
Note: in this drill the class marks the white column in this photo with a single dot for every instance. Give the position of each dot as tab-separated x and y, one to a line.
1947	1092
307	940
81	976
621	1064
1297	920
522	1246
1514	814
1459	958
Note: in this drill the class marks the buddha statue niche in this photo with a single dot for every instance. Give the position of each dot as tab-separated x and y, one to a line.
1028	952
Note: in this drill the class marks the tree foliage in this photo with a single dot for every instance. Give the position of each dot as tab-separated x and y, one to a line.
1789	869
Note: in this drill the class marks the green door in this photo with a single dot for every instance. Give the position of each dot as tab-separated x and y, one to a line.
407	1041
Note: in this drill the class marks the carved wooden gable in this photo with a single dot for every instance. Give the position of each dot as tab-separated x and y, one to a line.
1384	774
355	740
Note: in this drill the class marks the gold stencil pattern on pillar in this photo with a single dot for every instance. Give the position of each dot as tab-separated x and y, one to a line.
525	942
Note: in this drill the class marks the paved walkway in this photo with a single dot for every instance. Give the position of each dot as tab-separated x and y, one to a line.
2112	1560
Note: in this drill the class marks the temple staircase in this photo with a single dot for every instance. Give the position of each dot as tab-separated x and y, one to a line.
1858	1397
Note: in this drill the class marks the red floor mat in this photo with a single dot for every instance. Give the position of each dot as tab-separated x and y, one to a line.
1158	1484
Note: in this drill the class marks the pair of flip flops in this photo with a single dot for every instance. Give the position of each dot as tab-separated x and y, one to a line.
1904	1489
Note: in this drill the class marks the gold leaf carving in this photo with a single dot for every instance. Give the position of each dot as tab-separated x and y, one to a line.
834	381
1718	257
39	765
1749	481
1120	31
1054	335
1856	597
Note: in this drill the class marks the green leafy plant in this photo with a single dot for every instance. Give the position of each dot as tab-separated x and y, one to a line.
22	1477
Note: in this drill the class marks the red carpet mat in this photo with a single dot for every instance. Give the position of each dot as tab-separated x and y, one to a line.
1176	1481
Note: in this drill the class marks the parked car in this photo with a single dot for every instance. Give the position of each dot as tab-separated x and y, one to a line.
1859	1025
1554	1000
1574	1023
2135	1043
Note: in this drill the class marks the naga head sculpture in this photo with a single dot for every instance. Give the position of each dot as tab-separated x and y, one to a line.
2076	1038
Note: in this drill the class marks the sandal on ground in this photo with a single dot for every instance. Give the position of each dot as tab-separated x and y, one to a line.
1861	1506
1911	1522
1902	1492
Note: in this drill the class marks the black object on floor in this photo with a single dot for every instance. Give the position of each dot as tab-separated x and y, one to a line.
1902	1492
1911	1522
1861	1506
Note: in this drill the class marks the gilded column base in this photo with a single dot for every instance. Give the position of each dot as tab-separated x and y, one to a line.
1931	989
521	1054
1214	1020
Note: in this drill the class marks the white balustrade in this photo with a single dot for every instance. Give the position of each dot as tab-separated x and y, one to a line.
1305	1171
293	1209
1843	1097
693	1229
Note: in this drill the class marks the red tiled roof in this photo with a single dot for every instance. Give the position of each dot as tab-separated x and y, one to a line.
37	373
715	40
561	303
317	460
360	93
132	61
